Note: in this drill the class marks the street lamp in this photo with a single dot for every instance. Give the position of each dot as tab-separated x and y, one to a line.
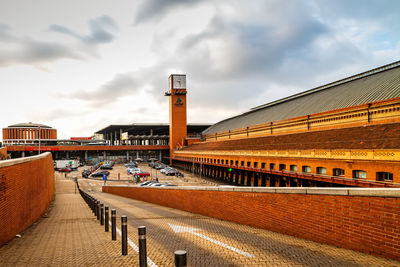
39	139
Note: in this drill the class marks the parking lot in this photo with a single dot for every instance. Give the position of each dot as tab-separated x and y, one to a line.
119	175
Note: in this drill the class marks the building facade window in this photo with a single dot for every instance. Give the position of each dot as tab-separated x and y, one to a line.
248	164
236	162
242	163
359	174
263	165
255	164
384	176
321	170
272	166
338	172
293	168
282	167
306	169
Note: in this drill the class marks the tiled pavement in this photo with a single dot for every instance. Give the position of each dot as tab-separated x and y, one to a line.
70	235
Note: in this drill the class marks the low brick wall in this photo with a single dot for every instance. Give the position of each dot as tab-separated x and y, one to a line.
26	190
3	153
366	220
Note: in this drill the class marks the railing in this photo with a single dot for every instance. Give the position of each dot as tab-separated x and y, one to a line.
342	154
378	112
302	175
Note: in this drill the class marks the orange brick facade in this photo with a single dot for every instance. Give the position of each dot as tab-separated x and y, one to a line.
363	223
3	153
177	114
29	133
26	190
87	148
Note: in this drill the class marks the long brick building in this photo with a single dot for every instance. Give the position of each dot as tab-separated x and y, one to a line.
342	133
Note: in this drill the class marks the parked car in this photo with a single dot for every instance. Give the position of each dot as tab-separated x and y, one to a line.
171	172
142	174
131	165
152	164
133	170
159	166
106	167
86	173
166	169
100	173
64	169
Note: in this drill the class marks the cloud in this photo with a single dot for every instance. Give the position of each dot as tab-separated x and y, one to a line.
29	51
102	30
141	82
26	50
247	55
155	9
110	91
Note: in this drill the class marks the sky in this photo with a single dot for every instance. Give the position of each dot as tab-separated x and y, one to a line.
79	66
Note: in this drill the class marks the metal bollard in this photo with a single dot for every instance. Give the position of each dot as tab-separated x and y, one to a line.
101	214
106	219
98	210
124	235
142	246
95	207
92	205
92	202
113	224
180	258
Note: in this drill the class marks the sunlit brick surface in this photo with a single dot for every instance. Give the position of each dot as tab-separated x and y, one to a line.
367	224
26	190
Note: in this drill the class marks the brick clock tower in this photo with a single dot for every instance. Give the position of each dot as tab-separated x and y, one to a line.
177	111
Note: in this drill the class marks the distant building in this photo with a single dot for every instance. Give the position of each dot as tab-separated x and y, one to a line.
345	133
124	142
29	134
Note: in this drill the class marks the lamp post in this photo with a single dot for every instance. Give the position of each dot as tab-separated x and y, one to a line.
39	139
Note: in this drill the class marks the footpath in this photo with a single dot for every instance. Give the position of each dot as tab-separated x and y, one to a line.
68	235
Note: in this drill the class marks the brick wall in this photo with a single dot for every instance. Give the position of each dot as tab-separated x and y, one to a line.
3	153
368	223
26	190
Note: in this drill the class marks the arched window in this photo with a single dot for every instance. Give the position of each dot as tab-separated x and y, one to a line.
272	166
359	174
263	165
306	169
321	170
338	172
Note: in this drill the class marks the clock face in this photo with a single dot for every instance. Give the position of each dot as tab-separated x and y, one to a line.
179	81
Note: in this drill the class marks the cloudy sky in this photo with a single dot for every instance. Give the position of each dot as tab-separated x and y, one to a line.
79	66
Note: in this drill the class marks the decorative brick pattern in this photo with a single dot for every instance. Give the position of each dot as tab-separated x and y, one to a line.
377	136
26	190
363	223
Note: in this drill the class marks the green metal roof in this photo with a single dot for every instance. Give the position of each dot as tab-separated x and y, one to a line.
370	86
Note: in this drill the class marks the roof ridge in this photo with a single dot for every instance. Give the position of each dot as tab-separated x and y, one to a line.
329	85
